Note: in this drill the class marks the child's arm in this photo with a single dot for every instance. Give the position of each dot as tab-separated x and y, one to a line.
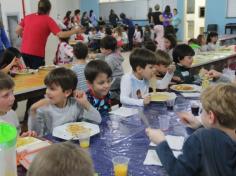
38	104
163	84
125	92
187	164
13	63
90	112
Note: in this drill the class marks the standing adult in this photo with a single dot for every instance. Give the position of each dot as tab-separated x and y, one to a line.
66	19
76	17
4	42
131	29
85	20
157	19
176	20
35	29
167	16
113	18
149	15
93	18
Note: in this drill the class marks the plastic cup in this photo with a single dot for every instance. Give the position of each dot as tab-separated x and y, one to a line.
195	106
84	139
120	165
115	121
170	104
164	122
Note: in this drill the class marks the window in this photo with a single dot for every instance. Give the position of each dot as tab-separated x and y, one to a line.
190	29
190	6
202	12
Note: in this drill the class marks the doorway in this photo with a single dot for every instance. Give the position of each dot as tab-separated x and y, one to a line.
12	21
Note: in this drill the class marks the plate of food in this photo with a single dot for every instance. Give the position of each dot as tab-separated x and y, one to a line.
24	71
71	131
48	67
186	88
162	96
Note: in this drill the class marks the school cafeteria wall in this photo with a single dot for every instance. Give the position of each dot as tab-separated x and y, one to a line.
87	5
216	14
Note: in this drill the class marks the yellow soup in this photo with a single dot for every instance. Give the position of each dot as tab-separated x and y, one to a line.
121	169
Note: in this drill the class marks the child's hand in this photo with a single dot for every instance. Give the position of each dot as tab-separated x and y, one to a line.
29	133
80	96
177	79
189	120
155	135
214	74
147	100
14	62
38	104
171	68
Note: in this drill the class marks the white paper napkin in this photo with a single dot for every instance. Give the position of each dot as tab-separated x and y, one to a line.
124	112
175	142
191	95
153	159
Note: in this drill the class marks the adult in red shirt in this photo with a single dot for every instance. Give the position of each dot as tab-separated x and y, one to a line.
35	29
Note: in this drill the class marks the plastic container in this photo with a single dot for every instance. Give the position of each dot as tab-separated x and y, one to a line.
164	122
8	134
84	139
120	165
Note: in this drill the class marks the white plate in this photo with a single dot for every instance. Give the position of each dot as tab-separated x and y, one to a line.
48	67
170	96
195	88
26	72
62	133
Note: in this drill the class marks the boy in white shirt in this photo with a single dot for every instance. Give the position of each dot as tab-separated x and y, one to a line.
135	86
6	102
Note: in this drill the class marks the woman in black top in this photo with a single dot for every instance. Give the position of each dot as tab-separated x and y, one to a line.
149	15
157	16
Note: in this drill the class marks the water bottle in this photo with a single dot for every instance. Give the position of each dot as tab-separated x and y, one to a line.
8	134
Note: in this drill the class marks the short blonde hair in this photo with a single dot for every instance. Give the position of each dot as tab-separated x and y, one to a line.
62	159
221	100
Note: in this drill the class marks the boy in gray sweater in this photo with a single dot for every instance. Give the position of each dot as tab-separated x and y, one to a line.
60	107
114	59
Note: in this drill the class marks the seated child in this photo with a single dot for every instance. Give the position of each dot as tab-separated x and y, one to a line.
169	43
114	60
62	159
193	43
62	107
98	75
212	38
64	53
138	36
150	45
7	99
202	42
135	85
80	51
210	150
183	58
11	60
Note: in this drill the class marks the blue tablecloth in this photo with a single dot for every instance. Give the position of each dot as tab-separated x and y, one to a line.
131	141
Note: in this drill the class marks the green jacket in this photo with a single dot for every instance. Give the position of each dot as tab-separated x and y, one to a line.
184	74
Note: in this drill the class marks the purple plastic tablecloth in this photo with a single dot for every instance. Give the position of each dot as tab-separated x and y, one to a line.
130	140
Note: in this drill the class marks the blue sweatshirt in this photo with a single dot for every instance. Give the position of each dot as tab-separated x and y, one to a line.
207	152
4	42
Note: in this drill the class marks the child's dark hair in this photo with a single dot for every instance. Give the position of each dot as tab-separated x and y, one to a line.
150	45
141	57
109	42
77	11
163	58
63	77
108	31
172	39
193	41
80	50
140	30
44	7
65	39
180	51
210	35
5	81
8	56
96	67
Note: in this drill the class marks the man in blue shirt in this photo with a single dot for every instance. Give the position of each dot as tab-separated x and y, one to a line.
176	20
4	42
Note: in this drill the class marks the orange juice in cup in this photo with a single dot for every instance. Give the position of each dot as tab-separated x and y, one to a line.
84	139
120	164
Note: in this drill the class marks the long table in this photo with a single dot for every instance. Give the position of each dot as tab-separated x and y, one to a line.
29	86
130	140
217	60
